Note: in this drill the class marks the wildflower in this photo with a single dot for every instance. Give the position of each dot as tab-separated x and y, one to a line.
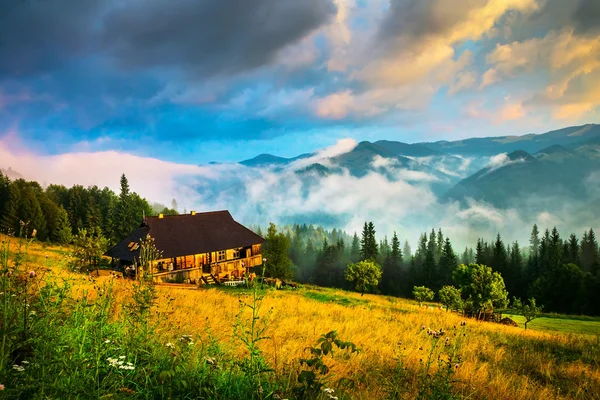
18	368
34	233
264	260
328	390
1	386
456	365
170	345
122	357
210	360
107	341
32	274
24	362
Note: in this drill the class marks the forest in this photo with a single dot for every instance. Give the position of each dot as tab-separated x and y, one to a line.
561	272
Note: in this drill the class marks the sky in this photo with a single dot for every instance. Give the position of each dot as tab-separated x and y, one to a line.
194	81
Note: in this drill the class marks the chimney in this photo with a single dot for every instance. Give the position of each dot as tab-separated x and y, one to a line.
161	215
193	212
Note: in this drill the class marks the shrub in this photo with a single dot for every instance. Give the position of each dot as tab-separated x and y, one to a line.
422	294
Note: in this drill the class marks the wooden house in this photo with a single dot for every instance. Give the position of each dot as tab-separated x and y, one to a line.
194	247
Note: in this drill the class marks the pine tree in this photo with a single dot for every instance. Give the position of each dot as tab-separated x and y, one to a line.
515	265
9	223
355	249
448	263
534	241
368	249
4	191
125	219
589	252
439	245
555	248
62	233
391	282
278	264
499	258
479	256
30	211
429	264
406	251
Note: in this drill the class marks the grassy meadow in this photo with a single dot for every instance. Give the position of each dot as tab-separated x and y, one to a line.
92	337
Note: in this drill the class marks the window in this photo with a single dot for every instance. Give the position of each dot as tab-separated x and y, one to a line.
221	255
236	253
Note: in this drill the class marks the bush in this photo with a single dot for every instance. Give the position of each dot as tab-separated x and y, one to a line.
422	294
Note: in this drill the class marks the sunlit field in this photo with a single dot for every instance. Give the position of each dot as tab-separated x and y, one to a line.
398	354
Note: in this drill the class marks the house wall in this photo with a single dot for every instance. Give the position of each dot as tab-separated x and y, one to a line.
222	264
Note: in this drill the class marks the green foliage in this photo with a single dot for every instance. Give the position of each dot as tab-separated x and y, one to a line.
62	231
422	294
482	288
530	311
88	247
368	249
435	379
275	250
392	278
451	298
364	274
251	333
315	378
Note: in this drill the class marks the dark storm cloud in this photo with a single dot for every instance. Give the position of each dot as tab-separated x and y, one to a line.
201	37
583	16
37	36
417	18
209	37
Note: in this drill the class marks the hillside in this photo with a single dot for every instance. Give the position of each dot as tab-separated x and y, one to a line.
552	173
570	137
485	356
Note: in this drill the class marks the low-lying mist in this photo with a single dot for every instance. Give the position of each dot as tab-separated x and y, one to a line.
395	199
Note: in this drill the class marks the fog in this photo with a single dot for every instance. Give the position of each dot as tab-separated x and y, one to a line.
395	199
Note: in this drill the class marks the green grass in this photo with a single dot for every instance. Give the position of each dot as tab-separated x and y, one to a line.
323	297
563	325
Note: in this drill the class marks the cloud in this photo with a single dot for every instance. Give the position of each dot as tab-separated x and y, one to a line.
573	64
489	77
200	38
155	179
342	146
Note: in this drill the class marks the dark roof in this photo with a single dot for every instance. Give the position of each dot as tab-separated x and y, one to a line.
182	235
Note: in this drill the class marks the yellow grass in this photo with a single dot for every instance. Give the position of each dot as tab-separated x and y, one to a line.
498	362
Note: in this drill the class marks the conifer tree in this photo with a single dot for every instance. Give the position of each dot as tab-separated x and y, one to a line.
62	233
278	264
534	241
9	223
125	219
368	249
515	265
406	251
355	249
500	258
391	281
479	256
448	263
439	245
4	191
31	211
429	264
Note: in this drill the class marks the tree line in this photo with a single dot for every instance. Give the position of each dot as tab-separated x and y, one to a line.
562	274
58	214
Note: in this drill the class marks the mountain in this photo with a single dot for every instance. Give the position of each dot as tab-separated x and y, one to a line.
570	137
531	182
406	150
264	160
